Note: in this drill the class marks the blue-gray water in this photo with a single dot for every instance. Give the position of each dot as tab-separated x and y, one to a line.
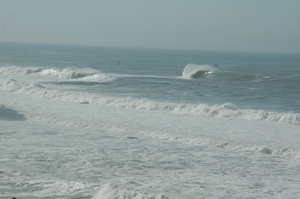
248	80
110	123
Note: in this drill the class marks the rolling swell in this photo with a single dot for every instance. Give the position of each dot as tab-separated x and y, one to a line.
190	71
239	77
194	71
226	110
253	78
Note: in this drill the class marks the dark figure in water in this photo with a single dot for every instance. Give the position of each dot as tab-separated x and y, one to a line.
13	198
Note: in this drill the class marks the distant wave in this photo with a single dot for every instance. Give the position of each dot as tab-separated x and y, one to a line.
86	74
227	110
194	71
236	77
233	76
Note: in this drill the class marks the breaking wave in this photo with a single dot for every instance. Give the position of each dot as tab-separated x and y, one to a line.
86	74
226	110
194	71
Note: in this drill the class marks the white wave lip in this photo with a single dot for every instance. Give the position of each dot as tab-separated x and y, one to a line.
194	71
227	110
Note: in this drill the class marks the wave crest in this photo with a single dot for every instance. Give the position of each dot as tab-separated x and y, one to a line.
86	74
194	71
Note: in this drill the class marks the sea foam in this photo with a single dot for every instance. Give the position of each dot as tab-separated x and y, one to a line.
227	110
124	191
170	136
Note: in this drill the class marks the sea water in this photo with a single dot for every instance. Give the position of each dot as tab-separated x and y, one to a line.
100	122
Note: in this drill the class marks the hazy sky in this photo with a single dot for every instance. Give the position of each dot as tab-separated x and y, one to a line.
223	25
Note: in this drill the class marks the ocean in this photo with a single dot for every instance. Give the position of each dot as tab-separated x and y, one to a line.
83	122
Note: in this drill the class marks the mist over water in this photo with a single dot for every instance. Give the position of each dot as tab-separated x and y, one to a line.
95	122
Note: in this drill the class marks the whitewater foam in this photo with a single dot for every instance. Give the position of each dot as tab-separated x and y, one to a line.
149	133
70	73
171	135
227	110
20	70
108	191
74	73
200	141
